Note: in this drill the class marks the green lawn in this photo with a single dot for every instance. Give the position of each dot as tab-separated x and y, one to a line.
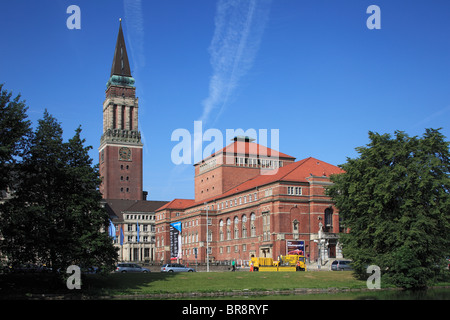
17	285
118	284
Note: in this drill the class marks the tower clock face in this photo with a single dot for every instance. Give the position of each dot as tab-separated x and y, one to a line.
125	154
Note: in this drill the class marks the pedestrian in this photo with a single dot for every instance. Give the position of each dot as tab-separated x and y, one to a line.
251	266
233	265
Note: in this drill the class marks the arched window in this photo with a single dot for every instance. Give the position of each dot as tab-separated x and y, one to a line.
252	230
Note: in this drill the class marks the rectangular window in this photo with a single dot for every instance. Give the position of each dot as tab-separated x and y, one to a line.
266	226
295	191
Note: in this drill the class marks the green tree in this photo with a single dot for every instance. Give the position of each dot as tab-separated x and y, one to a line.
55	217
394	199
15	134
87	215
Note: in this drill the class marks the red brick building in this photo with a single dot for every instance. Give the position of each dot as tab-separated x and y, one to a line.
251	200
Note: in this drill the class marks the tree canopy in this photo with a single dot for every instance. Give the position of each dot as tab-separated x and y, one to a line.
394	199
55	216
15	133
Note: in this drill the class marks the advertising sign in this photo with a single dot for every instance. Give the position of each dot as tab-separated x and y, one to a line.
295	247
175	240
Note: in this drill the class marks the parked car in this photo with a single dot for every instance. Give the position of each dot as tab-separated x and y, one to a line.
175	267
341	265
29	268
130	267
89	270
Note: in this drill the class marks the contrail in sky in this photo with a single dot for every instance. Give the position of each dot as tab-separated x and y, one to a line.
239	26
134	20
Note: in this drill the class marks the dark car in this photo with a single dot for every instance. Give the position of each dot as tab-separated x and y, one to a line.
130	267
29	268
175	267
341	265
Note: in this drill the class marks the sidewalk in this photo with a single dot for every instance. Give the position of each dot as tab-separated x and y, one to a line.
314	267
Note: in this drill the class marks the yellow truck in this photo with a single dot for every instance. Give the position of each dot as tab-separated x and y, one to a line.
288	263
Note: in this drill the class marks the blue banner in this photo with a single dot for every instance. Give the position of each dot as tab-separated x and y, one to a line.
175	241
112	230
137	229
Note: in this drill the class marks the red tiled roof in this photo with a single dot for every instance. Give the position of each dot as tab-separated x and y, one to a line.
295	172
177	204
249	148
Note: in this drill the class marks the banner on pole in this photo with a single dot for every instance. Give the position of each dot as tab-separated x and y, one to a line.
175	241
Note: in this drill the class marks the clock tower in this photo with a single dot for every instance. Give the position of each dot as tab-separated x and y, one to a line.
120	152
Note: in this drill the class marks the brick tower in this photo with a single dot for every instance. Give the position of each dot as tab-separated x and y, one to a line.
120	152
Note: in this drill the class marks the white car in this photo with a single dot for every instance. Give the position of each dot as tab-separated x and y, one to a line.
130	267
175	267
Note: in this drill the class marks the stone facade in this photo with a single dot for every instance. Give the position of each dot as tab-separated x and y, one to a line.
128	216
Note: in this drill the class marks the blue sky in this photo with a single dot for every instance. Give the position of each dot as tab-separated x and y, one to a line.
311	69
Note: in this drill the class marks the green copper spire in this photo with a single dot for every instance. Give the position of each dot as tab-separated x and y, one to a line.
120	70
